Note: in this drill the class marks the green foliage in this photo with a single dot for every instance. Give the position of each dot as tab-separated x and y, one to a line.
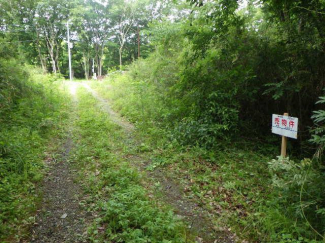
137	98
218	72
130	217
29	115
11	86
298	198
151	96
103	34
200	88
318	136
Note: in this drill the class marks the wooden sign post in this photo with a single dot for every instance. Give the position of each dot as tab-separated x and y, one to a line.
287	127
284	143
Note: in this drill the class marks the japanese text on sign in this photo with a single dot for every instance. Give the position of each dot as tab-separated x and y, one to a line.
285	125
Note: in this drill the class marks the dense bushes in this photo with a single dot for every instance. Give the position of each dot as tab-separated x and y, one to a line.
318	136
298	196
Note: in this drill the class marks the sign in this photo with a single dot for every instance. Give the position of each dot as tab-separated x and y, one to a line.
285	125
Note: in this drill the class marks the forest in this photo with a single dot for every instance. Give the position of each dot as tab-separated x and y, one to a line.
150	121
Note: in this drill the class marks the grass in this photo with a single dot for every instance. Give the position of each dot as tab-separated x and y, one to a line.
232	180
27	127
231	183
122	205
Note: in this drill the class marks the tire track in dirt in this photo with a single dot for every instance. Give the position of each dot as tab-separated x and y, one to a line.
115	117
197	218
61	219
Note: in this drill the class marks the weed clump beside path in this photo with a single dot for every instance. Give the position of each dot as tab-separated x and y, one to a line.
32	111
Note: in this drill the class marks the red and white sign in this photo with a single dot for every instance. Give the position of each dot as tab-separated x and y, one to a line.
285	125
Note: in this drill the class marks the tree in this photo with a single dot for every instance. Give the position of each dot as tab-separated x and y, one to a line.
50	19
92	22
127	16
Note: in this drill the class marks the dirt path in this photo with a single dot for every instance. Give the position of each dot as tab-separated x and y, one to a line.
197	218
60	218
115	117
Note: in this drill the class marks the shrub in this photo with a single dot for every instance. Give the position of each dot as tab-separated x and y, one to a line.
298	197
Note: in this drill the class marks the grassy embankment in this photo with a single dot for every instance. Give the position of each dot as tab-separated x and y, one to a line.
32	112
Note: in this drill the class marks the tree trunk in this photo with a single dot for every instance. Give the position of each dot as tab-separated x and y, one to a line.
99	66
138	42
43	63
50	43
86	66
120	53
57	57
98	57
101	60
50	47
42	59
53	61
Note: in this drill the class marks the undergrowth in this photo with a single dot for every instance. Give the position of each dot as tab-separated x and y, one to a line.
123	210
31	111
232	179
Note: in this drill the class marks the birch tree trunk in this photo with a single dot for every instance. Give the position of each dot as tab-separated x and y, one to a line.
57	52
40	55
50	47
53	60
120	53
86	65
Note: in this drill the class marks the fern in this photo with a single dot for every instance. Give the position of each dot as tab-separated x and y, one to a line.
318	136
